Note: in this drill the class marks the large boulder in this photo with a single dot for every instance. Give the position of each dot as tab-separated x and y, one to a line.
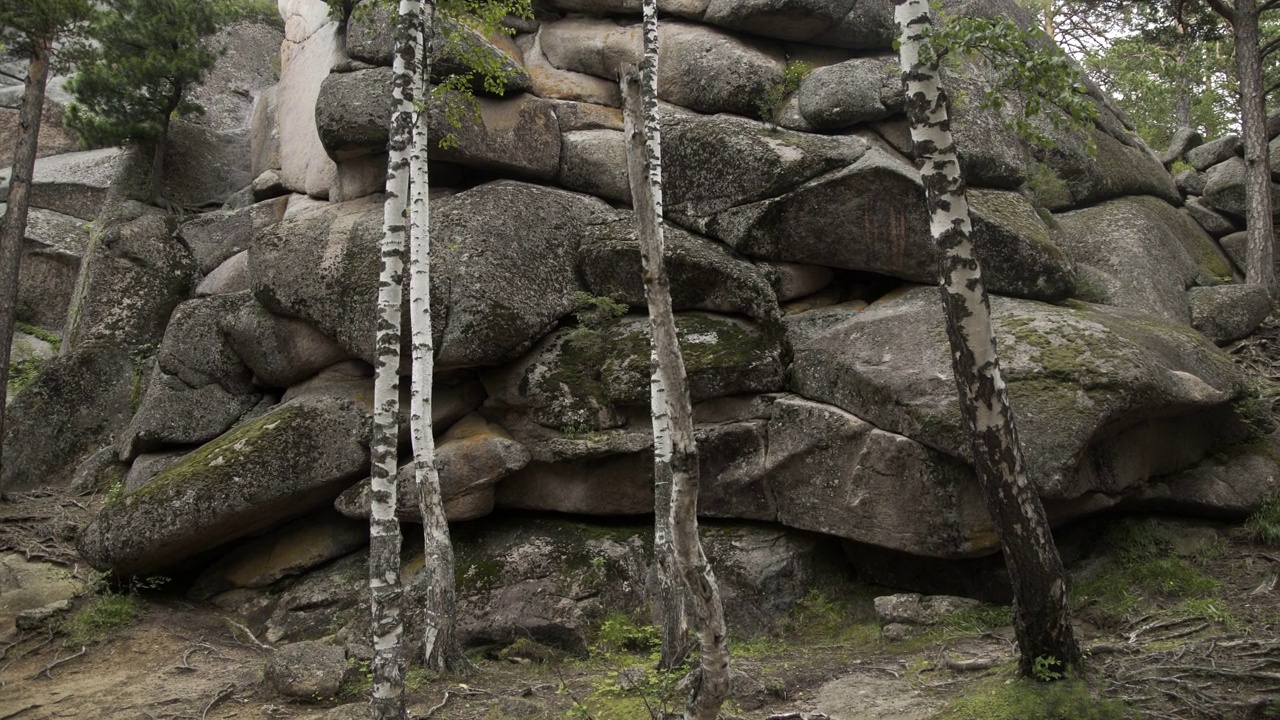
517	135
1104	398
854	91
76	184
884	228
1224	188
700	68
504	269
75	406
471	457
280	351
548	81
286	463
704	275
580	379
457	48
175	413
312	44
133	276
52	251
1140	253
215	236
1226	313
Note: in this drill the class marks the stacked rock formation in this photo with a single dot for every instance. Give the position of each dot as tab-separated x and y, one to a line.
234	348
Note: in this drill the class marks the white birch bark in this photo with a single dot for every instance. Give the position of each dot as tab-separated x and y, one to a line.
439	602
385	588
675	451
1042	618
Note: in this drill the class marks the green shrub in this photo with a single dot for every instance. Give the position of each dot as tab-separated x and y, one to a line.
1264	526
100	616
772	99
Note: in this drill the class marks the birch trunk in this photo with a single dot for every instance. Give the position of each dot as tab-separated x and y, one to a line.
1259	268
1042	619
384	530
439	600
675	451
19	200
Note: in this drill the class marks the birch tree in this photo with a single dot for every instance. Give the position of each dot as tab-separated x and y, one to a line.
440	603
384	529
33	29
1042	618
675	450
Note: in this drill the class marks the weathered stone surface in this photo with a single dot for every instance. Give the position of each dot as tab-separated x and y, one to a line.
202	166
306	670
595	161
794	280
1105	398
51	253
916	609
518	134
572	381
782	19
713	164
135	274
54	138
215	236
1144	255
704	274
231	277
290	550
1206	217
699	68
1190	182
98	472
26	585
851	92
75	183
1230	485
71	409
194	349
1224	187
284	464
228	89
1236	247
280	351
471	457
1217	151
311	46
1225	313
548	81
264	142
1184	139
147	466
175	413
883	231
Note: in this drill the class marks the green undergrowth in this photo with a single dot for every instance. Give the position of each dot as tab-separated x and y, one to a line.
1003	697
1263	526
1149	568
101	616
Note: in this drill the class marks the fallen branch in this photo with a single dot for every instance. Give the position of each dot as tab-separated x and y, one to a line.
249	633
223	693
47	671
971	665
434	708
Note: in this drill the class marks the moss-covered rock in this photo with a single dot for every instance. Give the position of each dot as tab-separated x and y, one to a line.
883	227
1142	254
293	459
1104	399
577	379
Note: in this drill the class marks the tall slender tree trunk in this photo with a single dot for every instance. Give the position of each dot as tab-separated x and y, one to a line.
157	162
439	647
674	445
1259	268
1042	619
19	201
384	529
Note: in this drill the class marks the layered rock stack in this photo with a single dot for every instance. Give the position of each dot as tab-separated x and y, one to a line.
801	264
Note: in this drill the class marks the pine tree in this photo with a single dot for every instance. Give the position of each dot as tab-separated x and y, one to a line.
1042	618
33	29
131	87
